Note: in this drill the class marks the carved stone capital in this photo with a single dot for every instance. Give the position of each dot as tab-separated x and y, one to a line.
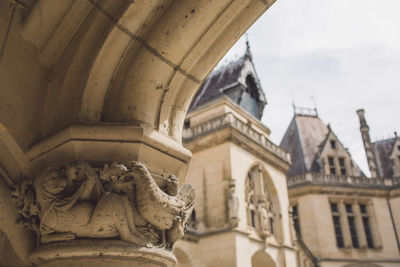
80	203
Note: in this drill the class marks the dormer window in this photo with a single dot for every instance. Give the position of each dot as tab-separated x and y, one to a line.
333	144
252	87
342	166
331	163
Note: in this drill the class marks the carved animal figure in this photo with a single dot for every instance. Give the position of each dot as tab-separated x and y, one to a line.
162	210
64	218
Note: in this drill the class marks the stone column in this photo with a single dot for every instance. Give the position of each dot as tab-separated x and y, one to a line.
116	215
374	225
345	225
359	225
90	137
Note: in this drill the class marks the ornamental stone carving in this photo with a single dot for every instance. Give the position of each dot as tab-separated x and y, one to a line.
264	218
233	205
119	201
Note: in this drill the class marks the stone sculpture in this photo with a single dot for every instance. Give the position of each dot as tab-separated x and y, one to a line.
264	219
118	201
293	235
233	205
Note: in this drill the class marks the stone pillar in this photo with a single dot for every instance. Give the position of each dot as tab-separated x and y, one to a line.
359	225
116	215
345	225
90	138
374	225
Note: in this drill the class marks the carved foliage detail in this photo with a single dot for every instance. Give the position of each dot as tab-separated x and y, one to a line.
117	201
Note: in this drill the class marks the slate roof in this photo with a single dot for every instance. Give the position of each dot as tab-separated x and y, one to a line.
222	78
303	140
227	77
383	149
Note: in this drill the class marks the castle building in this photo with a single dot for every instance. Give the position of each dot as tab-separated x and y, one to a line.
241	215
341	217
305	203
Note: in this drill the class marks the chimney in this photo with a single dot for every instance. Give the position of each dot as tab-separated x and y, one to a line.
369	150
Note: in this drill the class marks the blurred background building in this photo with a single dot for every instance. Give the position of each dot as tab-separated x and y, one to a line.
302	203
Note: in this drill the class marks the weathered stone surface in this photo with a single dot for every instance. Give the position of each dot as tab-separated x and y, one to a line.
98	80
117	201
99	253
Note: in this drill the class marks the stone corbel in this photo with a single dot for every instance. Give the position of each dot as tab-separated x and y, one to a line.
79	211
21	239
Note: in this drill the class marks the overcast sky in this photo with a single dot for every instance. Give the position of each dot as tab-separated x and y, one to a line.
341	55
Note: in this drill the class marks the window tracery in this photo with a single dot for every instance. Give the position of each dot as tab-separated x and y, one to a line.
260	210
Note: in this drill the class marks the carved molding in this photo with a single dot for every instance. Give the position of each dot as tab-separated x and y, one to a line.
118	201
229	120
342	180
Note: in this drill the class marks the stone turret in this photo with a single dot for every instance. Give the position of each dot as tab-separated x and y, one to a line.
369	150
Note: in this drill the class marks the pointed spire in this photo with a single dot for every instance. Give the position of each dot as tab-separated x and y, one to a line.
294	108
368	146
248	53
315	105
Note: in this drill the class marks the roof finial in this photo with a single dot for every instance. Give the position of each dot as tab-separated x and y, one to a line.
315	105
248	53
294	108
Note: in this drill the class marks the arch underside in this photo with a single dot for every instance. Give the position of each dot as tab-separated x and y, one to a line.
104	62
130	61
84	74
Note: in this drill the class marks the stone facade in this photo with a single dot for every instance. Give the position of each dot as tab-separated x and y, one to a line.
227	153
323	212
342	218
241	210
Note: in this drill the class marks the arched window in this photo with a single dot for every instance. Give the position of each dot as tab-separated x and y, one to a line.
259	203
251	201
252	88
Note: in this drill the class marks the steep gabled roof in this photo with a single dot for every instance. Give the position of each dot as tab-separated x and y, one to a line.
304	139
291	143
383	149
332	136
227	77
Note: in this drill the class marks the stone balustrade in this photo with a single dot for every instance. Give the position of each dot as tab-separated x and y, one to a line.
229	120
342	180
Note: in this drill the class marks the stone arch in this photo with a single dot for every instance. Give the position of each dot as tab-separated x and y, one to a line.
130	61
260	190
155	71
262	259
183	259
113	75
